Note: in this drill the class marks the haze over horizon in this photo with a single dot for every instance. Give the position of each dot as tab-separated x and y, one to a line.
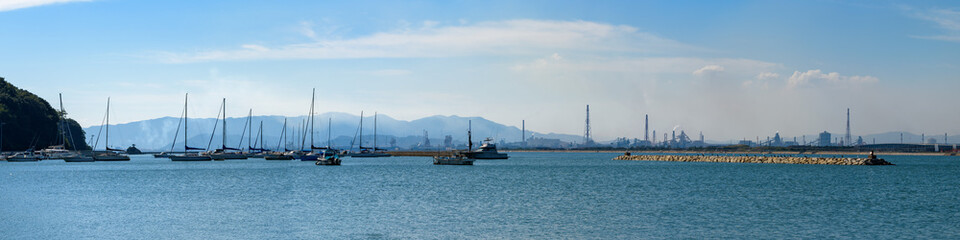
732	70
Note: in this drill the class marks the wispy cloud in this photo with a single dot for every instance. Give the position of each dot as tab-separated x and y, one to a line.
497	38
946	19
7	5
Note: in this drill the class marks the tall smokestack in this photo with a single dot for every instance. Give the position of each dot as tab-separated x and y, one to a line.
673	138
847	139
646	127
586	130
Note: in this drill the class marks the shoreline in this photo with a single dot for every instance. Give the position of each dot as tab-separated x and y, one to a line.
737	152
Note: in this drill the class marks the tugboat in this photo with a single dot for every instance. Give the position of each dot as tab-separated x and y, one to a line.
487	151
456	159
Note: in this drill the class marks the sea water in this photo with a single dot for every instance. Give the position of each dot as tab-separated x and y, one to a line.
531	195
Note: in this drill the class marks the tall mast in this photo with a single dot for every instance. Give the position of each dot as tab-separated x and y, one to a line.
63	134
223	141
185	123
330	122
260	133
361	130
303	133
374	131
250	123
470	135
107	144
283	135
313	98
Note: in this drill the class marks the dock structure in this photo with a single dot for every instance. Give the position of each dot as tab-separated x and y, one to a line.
756	159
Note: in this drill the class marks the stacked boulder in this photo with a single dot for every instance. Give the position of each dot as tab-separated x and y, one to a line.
756	159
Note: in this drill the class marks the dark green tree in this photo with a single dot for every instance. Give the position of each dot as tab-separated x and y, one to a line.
30	122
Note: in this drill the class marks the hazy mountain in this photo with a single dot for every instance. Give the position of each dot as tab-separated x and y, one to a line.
158	134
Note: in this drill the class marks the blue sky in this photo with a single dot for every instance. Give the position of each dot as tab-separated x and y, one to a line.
732	69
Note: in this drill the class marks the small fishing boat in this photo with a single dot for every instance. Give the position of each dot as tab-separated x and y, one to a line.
330	160
456	159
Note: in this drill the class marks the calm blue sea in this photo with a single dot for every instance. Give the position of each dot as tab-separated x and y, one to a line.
532	195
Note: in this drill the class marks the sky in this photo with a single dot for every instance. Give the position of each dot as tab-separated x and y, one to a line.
729	69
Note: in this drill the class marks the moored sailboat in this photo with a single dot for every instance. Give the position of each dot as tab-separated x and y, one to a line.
26	156
309	155
66	135
366	152
109	154
223	153
283	139
187	155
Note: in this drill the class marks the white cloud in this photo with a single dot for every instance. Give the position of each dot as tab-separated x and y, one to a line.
7	5
708	70
812	76
767	76
255	47
390	72
498	38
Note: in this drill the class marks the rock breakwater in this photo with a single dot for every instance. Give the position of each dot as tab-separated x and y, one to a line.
756	159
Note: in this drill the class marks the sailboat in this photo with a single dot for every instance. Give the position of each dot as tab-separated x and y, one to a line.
252	151
369	152
66	135
283	138
221	153
187	155
110	154
26	156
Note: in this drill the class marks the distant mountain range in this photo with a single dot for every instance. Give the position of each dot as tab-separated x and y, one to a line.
158	134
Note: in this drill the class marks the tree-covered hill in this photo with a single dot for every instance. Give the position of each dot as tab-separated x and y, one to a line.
30	122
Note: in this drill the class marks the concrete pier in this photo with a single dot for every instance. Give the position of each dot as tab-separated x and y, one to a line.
756	159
